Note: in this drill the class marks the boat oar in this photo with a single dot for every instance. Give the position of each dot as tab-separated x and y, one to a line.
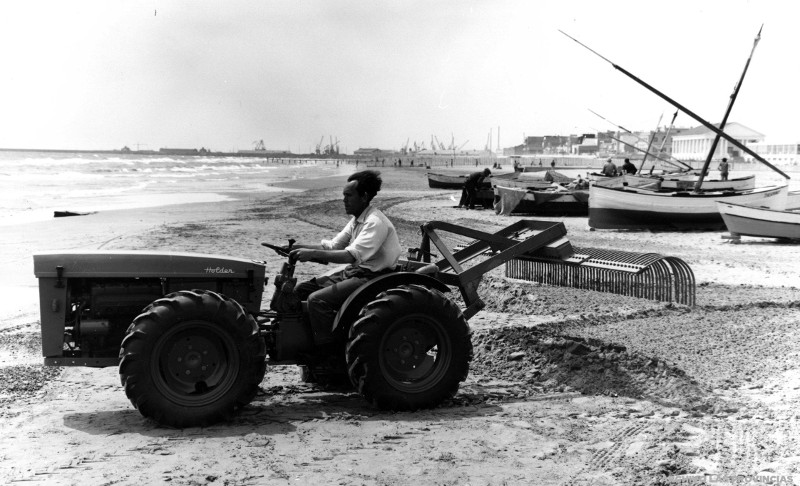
682	108
724	121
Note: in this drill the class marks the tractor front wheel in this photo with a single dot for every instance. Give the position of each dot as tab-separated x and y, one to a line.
192	358
410	349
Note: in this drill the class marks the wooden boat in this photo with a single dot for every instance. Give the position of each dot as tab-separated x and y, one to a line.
66	214
686	182
545	202
456	181
750	220
637	208
520	180
522	183
446	181
596	178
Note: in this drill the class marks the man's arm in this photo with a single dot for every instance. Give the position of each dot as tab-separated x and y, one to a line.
300	246
320	255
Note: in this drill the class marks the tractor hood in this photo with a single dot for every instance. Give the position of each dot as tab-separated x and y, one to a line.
143	264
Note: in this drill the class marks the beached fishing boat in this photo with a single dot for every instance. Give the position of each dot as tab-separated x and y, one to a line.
686	182
637	208
456	181
521	183
446	181
750	220
524	180
596	178
556	201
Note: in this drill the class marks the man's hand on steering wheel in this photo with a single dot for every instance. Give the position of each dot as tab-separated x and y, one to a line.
304	255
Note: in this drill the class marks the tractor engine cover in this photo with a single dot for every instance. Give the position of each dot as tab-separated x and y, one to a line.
99	294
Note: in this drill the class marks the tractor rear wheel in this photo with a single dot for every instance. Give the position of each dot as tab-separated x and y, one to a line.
410	349
191	359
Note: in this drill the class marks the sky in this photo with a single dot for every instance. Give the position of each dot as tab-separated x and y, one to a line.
101	75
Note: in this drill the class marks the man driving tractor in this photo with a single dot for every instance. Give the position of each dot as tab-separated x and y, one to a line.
368	244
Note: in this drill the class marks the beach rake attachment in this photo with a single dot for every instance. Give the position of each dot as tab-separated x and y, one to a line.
643	275
539	251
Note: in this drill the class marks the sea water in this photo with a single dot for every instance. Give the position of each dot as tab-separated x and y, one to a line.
35	184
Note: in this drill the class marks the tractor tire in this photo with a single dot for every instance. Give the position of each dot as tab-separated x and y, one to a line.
192	358
410	349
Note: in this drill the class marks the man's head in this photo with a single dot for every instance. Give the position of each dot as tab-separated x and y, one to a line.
361	187
724	159
627	161
487	172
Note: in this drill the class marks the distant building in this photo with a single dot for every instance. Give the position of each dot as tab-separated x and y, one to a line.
587	145
695	143
775	153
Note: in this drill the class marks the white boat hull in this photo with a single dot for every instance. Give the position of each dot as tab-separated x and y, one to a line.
633	208
755	221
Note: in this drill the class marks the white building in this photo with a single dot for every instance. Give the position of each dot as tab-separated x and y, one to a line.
695	143
776	153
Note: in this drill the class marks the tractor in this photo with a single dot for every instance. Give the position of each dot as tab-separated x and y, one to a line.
192	343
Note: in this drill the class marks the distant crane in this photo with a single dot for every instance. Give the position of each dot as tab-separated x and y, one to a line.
332	148
318	149
259	145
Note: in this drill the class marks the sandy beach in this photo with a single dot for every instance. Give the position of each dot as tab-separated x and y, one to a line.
567	386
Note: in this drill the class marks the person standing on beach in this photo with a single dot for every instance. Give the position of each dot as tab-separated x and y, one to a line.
610	169
368	244
723	169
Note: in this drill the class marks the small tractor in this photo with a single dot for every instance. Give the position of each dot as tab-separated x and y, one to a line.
192	342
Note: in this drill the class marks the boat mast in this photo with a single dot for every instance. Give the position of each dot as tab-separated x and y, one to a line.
650	143
685	110
666	136
724	121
